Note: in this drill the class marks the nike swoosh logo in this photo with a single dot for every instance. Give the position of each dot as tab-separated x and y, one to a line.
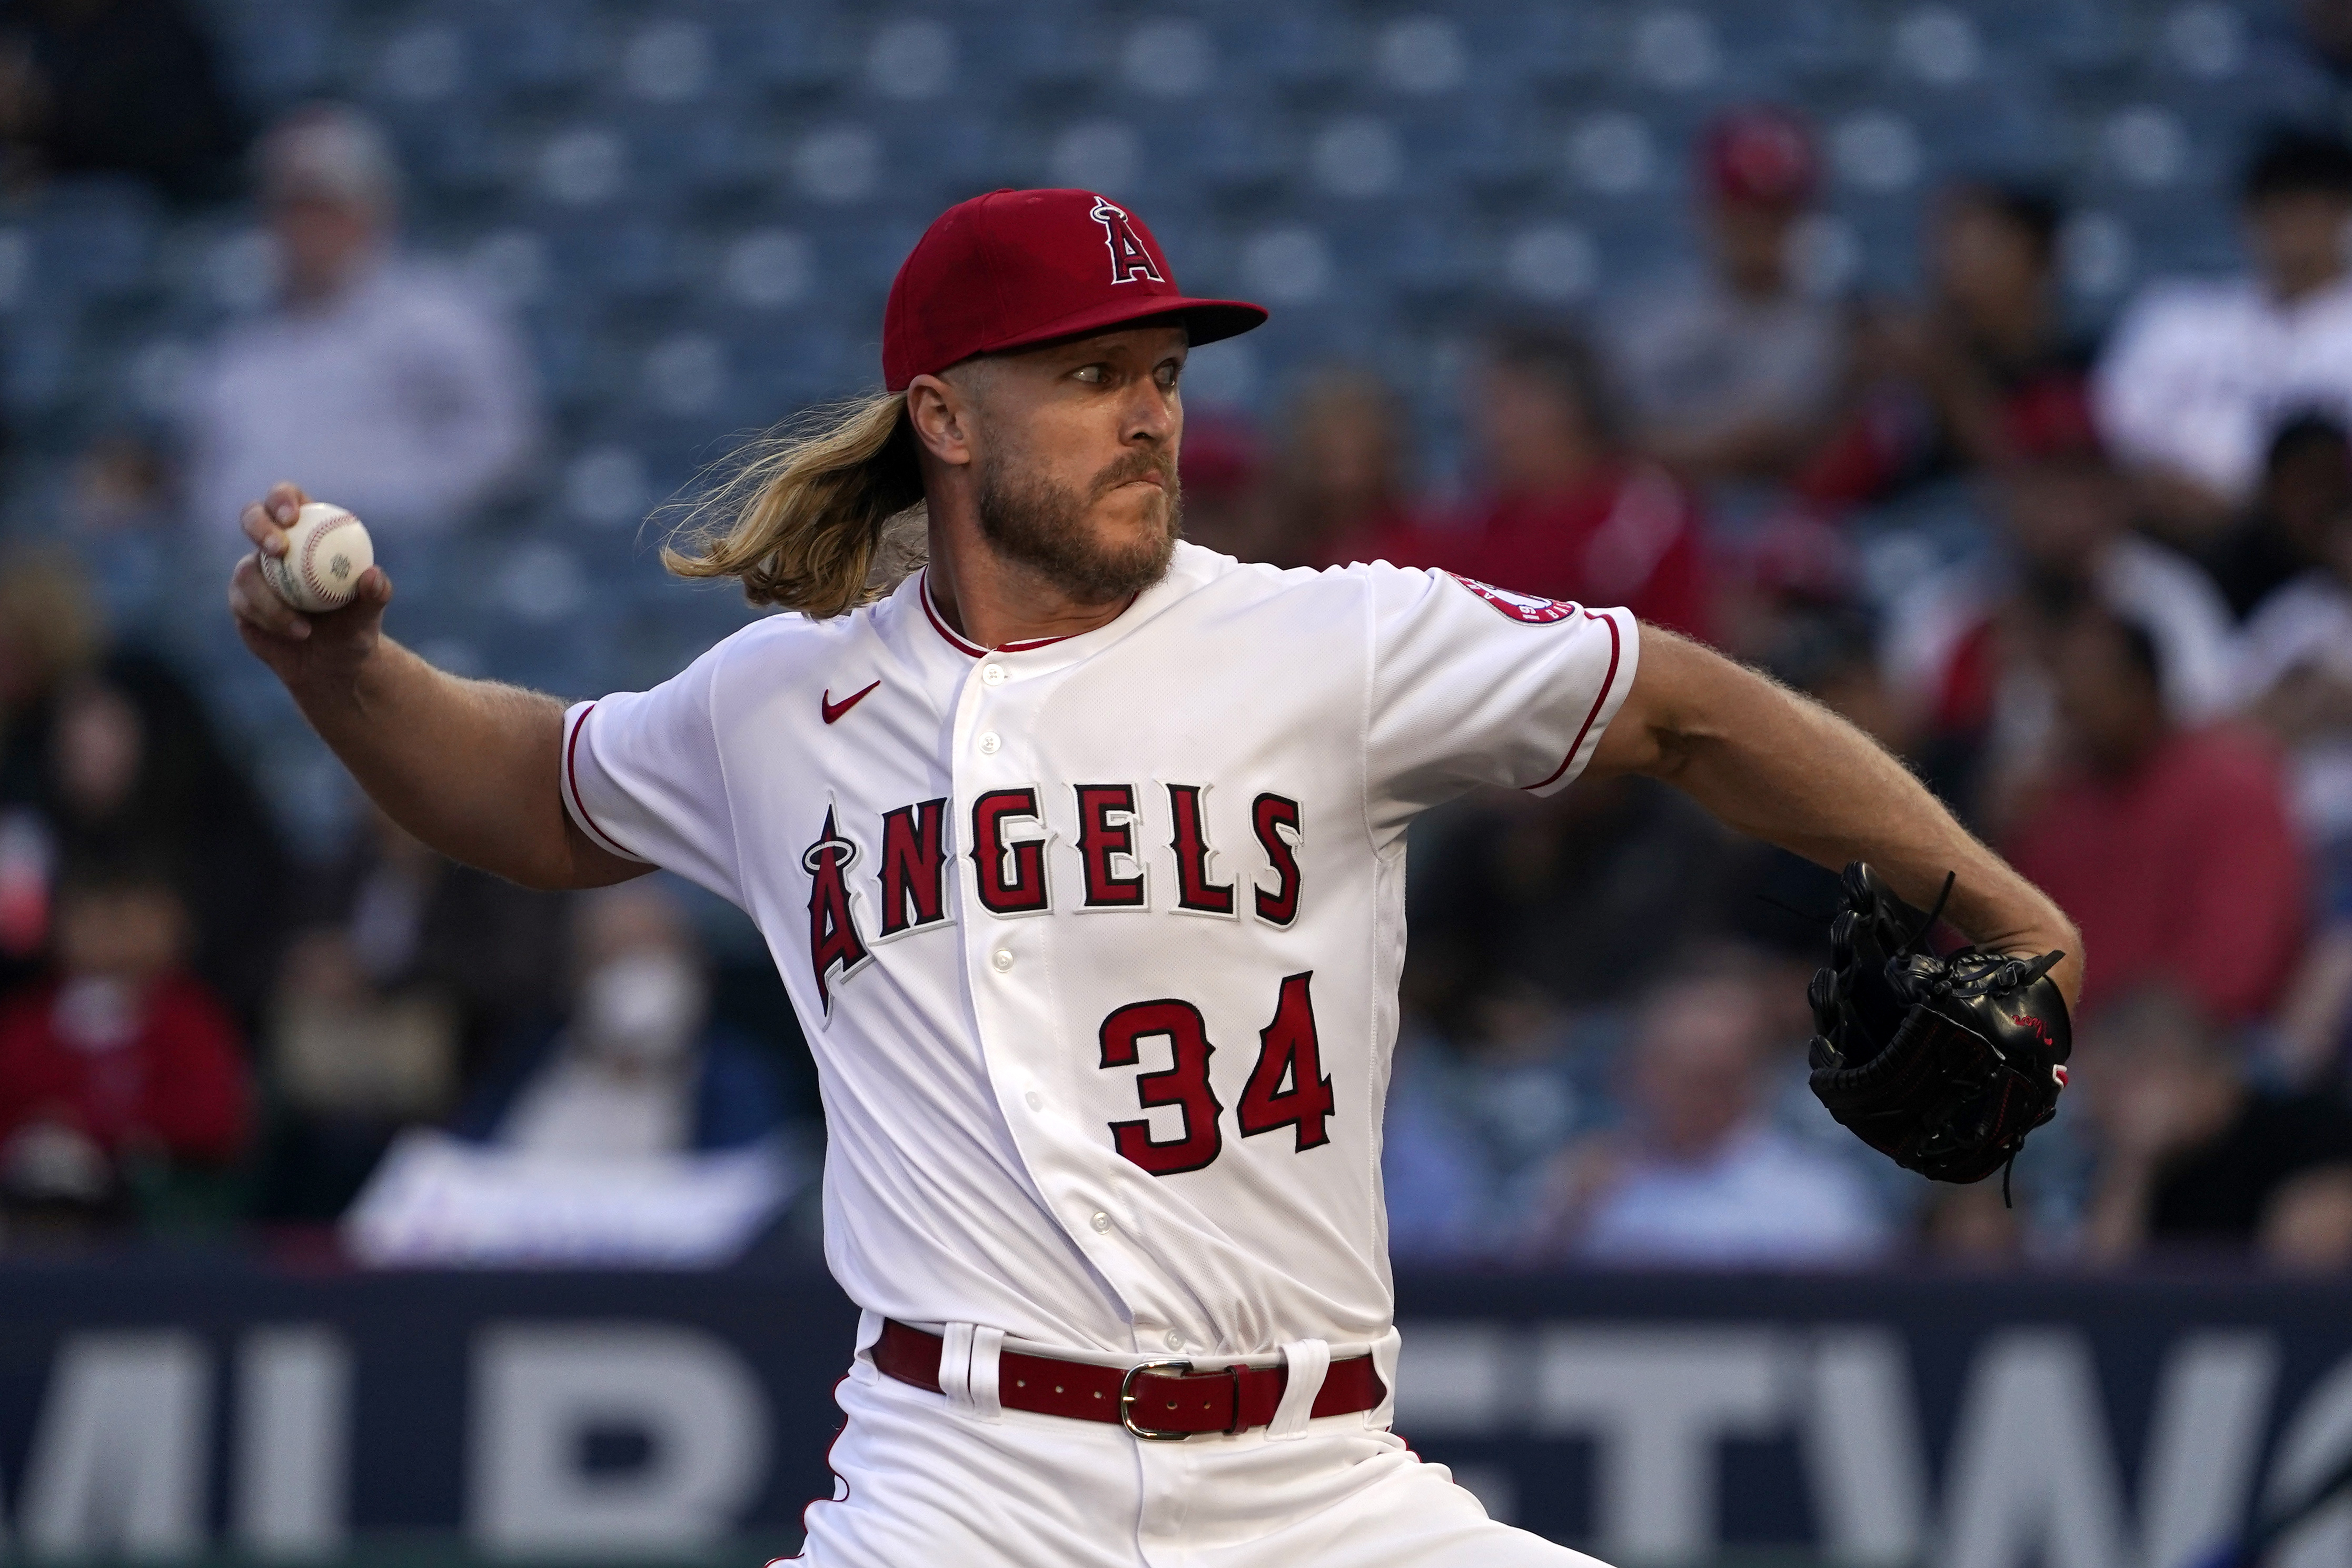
834	710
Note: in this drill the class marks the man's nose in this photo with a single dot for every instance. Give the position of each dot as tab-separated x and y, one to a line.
1151	416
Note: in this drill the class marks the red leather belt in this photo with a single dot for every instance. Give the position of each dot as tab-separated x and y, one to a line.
1160	1399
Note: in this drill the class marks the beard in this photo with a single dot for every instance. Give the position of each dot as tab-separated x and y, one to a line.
1042	525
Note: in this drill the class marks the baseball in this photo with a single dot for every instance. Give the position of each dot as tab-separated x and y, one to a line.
326	551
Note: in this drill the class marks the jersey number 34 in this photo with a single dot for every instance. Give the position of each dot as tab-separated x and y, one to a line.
1285	1089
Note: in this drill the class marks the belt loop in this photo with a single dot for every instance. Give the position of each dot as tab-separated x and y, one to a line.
955	1365
1308	1361
987	1348
1387	1350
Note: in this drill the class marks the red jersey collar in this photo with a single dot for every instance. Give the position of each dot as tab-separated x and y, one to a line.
964	645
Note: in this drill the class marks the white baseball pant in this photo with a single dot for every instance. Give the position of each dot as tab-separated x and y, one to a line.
922	1478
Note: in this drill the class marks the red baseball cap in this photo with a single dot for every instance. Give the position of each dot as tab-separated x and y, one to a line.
1762	156
1015	267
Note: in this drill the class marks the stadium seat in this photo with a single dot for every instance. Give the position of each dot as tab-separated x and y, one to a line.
1037	47
1551	46
1166	58
95	239
796	49
2008	128
1231	147
541	49
2080	37
709	200
420	65
1430	56
1290	47
279	51
668	60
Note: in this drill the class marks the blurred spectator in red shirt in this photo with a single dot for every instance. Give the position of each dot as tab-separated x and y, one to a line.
123	1058
1569	510
1736	374
2172	847
105	755
1999	361
1964	648
1987	375
2005	380
134	768
1345	484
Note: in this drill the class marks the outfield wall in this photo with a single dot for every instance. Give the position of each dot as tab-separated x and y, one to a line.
161	1406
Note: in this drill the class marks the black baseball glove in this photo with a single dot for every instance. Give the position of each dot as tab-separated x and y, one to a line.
1944	1065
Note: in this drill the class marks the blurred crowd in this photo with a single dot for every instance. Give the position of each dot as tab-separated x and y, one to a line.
200	1031
2094	586
2131	671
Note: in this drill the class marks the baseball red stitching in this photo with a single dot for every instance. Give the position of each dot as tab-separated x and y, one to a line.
310	552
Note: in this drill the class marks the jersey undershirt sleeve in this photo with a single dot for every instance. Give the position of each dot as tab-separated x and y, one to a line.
643	779
1472	684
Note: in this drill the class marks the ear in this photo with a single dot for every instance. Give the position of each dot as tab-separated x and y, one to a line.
943	416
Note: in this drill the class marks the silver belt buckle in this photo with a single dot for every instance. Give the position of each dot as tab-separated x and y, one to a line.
1126	1400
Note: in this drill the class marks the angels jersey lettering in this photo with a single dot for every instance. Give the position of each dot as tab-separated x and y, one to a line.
1096	940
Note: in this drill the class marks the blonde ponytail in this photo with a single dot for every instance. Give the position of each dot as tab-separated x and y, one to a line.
820	515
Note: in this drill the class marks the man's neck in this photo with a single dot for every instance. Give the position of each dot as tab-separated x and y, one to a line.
991	601
322	296
2129	756
320	293
2294	288
1550	483
1755	285
2014	329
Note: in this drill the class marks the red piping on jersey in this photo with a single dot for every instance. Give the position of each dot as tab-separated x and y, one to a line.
946	631
1608	683
965	645
572	779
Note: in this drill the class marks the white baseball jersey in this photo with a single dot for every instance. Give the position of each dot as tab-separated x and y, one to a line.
1096	940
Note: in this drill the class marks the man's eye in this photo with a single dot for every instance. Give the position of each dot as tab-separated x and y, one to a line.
1090	374
1170	375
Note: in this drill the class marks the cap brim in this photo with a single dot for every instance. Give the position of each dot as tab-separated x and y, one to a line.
1205	321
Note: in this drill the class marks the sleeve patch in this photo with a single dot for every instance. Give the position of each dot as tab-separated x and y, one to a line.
1530	608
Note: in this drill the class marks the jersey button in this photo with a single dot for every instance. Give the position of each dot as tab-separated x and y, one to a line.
1101	1222
1003	959
1175	1340
993	674
1037	1101
989	744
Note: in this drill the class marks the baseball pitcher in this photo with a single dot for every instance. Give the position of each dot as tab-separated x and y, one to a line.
1081	852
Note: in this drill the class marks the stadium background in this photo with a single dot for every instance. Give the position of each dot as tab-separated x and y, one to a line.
691	213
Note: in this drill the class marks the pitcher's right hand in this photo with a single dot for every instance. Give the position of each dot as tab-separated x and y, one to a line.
297	646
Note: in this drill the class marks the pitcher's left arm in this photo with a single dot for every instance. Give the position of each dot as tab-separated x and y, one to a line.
1780	767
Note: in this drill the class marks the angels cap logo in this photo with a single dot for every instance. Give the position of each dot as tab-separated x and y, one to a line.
1129	257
